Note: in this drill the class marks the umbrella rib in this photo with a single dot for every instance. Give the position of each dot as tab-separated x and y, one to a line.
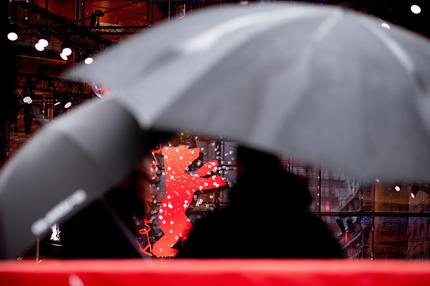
398	52
321	31
207	39
186	49
326	27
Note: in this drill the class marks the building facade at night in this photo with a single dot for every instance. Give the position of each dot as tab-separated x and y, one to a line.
377	221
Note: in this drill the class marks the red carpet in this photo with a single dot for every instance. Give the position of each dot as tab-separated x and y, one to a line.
215	273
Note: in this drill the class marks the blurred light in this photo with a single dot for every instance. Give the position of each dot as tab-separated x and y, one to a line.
67	52
67	105
55	235
88	60
377	180
57	103
39	47
43	42
63	56
416	9
12	36
243	2
27	99
413	195
385	25
397	188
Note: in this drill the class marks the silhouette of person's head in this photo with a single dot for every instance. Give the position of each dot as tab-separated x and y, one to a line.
252	160
262	175
267	217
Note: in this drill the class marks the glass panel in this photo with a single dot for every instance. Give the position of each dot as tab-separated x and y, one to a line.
391	237
395	237
339	193
228	153
189	186
392	197
402	198
418	235
312	174
378	221
354	233
419	200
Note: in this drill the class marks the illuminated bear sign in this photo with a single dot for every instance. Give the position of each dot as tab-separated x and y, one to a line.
180	188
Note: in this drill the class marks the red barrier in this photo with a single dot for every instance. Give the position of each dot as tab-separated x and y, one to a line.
215	273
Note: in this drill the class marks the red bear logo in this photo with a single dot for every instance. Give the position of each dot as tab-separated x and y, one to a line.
180	189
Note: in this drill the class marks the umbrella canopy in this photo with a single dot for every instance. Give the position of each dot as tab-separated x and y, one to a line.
63	168
323	84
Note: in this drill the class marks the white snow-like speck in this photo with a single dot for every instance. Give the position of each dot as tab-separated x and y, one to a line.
74	280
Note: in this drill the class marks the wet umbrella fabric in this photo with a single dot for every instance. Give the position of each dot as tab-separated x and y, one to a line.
323	84
63	168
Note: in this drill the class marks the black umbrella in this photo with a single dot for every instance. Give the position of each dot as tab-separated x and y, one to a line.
63	168
324	84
